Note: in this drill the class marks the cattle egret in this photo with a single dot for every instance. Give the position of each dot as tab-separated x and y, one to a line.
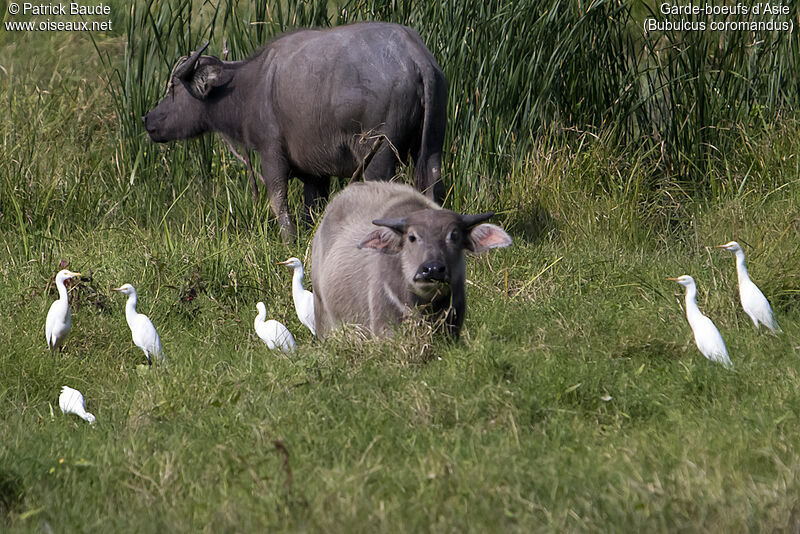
59	318
303	299
273	333
71	401
706	335
754	302
142	330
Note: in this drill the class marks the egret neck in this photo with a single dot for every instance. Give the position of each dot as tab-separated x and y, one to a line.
130	308
62	290
692	310
741	269
297	283
262	313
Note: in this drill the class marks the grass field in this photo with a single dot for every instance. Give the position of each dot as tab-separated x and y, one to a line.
576	399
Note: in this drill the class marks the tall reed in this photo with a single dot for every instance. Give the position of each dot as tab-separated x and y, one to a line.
518	71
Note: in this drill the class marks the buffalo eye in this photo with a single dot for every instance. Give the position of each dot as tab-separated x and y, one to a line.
411	238
455	236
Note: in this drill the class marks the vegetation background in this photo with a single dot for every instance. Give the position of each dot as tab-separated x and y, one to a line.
576	399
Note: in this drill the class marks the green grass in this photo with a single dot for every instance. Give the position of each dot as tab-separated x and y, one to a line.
509	429
575	400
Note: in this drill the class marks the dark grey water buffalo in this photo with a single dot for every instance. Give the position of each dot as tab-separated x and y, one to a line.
313	103
383	250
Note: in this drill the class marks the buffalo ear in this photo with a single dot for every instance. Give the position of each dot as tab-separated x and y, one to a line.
485	236
206	78
383	240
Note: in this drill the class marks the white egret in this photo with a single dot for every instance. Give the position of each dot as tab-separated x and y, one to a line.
59	318
71	401
142	330
706	335
273	333
303	299
754	302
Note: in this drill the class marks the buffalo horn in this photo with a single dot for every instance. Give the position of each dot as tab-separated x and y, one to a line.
471	220
398	225
188	66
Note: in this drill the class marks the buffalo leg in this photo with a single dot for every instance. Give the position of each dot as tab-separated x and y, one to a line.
455	316
383	165
428	177
428	161
276	178
250	172
315	192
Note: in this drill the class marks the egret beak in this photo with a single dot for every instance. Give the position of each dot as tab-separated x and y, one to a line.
285	262
721	246
116	289
672	279
75	274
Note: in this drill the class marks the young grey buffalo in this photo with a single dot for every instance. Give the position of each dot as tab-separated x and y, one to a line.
383	249
315	104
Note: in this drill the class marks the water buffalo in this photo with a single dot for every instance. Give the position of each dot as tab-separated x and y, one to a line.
383	250
314	104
